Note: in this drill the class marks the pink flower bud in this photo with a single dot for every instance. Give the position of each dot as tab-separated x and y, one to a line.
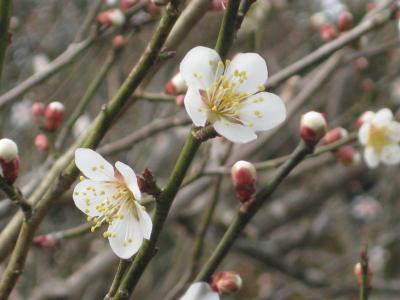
218	5
348	155
313	126
365	117
328	32
42	142
112	16
118	42
9	160
125	4
334	135
359	274
54	116
44	241
176	85
180	100
38	109
345	21
244	177
367	85
226	283
152	9
361	63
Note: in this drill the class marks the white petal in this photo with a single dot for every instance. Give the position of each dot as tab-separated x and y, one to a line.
363	133
383	117
200	291
255	68
234	132
201	67
145	222
128	233
263	111
394	131
195	107
371	158
88	194
390	154
93	165
129	178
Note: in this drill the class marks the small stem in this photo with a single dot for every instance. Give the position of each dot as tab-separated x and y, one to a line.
365	280
5	13
248	210
90	16
228	28
17	197
123	265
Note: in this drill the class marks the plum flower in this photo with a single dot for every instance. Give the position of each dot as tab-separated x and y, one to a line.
200	291
230	96
380	135
112	196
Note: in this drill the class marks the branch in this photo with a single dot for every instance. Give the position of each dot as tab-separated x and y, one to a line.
5	13
17	197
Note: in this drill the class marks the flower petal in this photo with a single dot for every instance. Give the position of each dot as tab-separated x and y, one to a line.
363	133
371	158
128	234
390	154
200	291
129	178
201	67
88	194
234	132
195	107
263	111
146	225
383	117
394	131
255	69
93	165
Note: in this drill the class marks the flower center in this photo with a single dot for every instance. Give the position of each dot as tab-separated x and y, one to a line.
114	207
223	99
377	138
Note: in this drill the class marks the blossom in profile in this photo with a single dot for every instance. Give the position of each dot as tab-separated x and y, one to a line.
112	196
230	96
380	135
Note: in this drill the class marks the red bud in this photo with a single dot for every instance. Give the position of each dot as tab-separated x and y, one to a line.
226	283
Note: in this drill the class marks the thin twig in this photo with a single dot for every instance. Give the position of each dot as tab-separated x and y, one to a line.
5	14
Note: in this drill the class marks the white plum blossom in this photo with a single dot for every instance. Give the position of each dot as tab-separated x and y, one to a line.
380	134
200	291
112	196
230	96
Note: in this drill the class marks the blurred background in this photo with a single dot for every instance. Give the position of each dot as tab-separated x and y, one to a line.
305	242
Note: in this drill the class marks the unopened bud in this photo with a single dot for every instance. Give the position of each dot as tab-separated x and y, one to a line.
112	16
317	20
38	109
334	135
54	115
348	155
152	9
365	117
118	42
125	4
313	126
42	142
218	5
179	100
44	241
328	32
9	160
244	177
226	283
345	21
361	63
176	85
358	272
